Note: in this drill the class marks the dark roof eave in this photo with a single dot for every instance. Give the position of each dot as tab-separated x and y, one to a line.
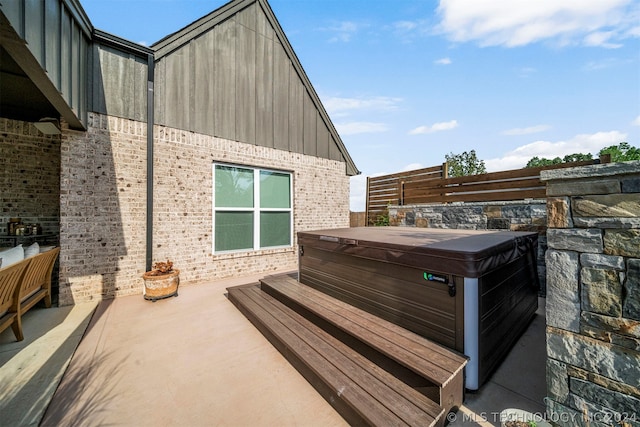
121	44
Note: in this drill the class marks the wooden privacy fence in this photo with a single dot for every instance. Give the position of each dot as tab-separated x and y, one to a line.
431	185
386	190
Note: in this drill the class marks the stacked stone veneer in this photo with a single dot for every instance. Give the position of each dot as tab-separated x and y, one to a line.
103	205
525	215
593	294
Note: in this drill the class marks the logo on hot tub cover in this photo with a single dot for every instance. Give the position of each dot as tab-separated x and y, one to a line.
435	278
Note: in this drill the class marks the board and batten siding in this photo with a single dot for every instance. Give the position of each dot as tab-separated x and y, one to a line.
237	81
119	83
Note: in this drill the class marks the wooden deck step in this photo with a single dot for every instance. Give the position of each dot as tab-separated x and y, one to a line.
373	336
362	392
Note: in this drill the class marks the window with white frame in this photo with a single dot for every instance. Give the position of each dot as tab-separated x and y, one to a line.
251	208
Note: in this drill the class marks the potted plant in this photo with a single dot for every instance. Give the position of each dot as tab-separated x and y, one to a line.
161	282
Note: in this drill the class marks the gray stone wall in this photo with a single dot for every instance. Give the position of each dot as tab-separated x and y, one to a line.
525	215
593	295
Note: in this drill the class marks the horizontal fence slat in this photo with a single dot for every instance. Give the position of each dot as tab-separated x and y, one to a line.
413	191
481	197
425	171
384	196
384	191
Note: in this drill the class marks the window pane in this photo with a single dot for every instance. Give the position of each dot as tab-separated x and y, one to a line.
275	229
234	187
234	230
275	190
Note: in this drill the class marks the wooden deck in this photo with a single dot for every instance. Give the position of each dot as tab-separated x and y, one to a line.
371	371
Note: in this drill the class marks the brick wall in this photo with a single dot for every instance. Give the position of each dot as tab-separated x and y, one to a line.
593	295
29	176
103	206
102	210
183	202
30	182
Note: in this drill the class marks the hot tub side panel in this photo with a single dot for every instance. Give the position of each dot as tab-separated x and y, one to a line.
399	293
508	300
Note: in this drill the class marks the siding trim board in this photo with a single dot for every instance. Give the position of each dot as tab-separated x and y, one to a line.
121	44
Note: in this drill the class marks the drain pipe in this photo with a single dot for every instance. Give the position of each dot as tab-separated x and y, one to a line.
150	120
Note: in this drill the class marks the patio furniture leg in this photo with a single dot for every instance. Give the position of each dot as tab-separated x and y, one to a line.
17	328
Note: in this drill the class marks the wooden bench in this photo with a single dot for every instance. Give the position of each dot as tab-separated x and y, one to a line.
22	285
436	371
10	278
361	391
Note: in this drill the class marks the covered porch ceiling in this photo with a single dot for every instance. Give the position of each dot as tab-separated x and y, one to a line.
26	90
20	98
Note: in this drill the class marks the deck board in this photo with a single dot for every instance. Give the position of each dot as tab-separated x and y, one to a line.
434	362
338	372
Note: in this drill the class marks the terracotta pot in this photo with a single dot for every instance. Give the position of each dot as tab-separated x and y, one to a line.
162	286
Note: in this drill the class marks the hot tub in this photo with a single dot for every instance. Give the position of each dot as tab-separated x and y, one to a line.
471	291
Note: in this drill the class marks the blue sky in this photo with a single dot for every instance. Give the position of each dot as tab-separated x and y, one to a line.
408	81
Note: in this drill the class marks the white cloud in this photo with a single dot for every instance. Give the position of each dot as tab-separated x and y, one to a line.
604	63
636	122
520	22
353	128
633	32
583	143
443	61
601	38
436	127
526	131
407	31
338	105
405	26
348	109
343	31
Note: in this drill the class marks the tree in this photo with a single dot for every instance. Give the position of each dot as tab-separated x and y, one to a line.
538	162
577	157
464	164
622	152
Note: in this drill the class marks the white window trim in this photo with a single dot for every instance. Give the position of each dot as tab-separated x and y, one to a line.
255	209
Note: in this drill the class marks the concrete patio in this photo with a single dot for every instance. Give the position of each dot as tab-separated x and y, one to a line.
195	360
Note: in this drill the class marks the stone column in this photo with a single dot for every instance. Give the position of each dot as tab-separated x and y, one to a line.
593	295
